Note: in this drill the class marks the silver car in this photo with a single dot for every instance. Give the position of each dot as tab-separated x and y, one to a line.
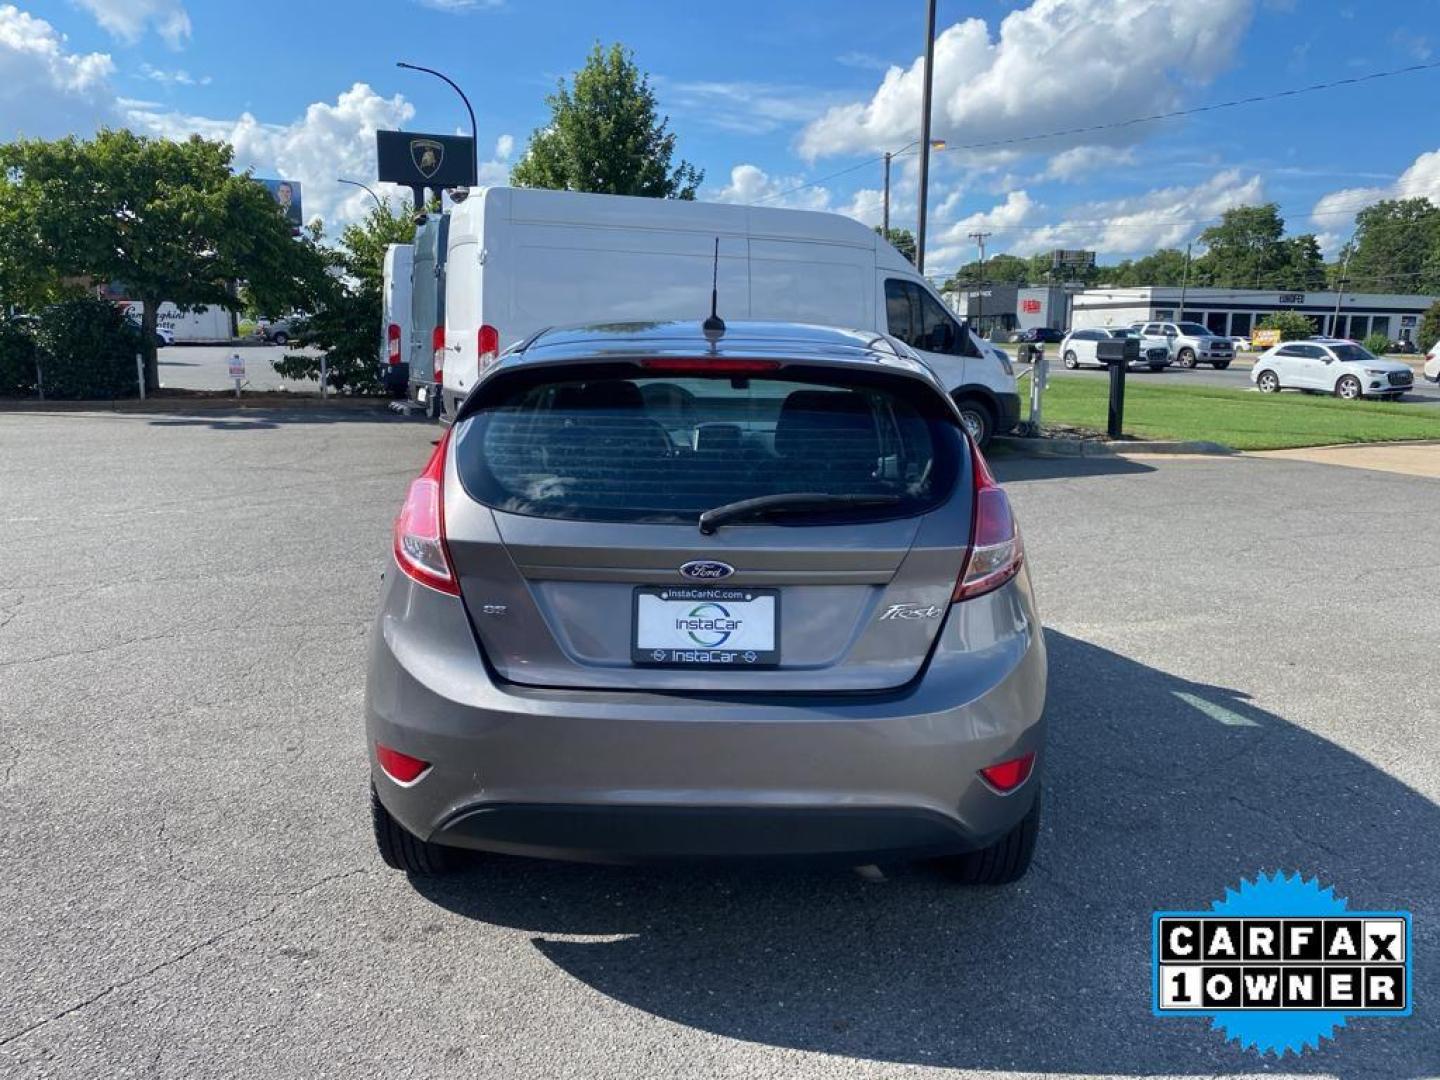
662	593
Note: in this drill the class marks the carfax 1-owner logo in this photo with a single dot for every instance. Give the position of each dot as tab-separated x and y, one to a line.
1281	963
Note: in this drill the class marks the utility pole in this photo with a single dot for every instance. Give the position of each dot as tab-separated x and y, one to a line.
1185	278
925	133
1340	288
980	238
885	214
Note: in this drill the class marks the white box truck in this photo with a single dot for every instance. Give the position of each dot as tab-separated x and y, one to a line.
520	260
395	317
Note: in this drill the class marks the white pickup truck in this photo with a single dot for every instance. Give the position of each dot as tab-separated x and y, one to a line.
1188	343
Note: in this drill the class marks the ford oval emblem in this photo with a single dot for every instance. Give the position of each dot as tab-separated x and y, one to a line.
707	570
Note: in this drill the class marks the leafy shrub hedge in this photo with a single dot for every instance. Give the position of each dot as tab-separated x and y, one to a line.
87	349
1292	325
17	358
1379	344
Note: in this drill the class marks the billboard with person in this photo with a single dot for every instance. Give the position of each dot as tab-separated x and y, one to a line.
286	194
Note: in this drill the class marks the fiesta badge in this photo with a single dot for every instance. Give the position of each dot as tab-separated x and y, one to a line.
706	570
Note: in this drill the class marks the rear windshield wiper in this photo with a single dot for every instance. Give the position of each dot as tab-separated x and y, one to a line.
790	503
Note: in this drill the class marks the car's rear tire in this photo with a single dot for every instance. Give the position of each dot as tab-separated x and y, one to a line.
1220	365
1185	358
1001	863
402	849
1071	361
1349	388
281	338
979	421
1268	382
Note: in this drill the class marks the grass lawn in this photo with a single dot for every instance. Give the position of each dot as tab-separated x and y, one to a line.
1238	418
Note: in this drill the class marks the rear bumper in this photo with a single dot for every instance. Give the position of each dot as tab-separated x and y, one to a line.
621	776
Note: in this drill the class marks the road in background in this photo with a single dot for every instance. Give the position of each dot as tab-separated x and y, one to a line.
206	367
1242	678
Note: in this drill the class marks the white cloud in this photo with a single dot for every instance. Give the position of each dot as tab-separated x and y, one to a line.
129	19
1081	162
751	184
1333	214
746	108
330	140
178	77
1055	65
1134	225
460	7
45	89
504	147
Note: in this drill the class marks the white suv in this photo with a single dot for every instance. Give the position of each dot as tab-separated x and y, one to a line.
1332	366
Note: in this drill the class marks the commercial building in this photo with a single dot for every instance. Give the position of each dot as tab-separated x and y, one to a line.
996	310
1236	312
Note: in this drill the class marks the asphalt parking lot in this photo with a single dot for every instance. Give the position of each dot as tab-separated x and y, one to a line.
207	367
1243	678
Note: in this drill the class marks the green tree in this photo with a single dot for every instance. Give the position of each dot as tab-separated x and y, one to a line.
1430	326
1396	248
1163	267
605	136
902	240
999	269
1292	325
345	326
1246	250
168	219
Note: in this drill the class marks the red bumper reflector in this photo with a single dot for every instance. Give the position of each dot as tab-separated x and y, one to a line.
401	768
1006	776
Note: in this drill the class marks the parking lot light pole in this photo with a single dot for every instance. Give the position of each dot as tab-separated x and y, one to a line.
365	187
474	131
925	133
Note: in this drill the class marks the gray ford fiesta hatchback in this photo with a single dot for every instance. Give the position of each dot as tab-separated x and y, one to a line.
662	593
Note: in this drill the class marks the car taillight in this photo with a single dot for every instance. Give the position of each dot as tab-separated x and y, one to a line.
392	335
437	350
402	768
487	346
996	551
420	529
1006	776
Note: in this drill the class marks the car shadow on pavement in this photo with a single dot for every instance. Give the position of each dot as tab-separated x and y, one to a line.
1013	468
1160	793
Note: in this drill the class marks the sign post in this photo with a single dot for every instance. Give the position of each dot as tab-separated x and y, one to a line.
1039	375
324	377
237	371
139	376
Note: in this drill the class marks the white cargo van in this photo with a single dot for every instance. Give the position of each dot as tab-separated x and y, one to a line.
521	260
427	311
395	317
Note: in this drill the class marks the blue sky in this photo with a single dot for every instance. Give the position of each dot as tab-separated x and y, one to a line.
767	96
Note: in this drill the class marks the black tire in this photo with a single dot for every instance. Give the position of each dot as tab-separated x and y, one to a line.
1349	388
979	421
1268	382
1220	365
160	342
1185	358
1001	863
402	849
1157	367
281	338
1070	360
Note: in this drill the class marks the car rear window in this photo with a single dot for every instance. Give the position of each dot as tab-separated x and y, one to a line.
663	448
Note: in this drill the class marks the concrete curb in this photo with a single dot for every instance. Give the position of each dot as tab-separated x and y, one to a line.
1044	447
220	401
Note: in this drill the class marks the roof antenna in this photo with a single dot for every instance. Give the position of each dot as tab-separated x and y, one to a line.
714	324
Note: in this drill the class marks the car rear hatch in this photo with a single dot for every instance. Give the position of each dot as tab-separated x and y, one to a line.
574	522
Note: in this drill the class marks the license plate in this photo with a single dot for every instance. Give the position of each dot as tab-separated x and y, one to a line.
684	626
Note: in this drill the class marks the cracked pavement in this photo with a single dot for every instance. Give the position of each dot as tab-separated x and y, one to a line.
188	886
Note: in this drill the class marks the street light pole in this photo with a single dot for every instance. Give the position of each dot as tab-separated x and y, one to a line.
925	133
1185	279
885	214
1340	288
980	238
474	131
365	187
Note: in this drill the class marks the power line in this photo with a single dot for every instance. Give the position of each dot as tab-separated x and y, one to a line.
1176	114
